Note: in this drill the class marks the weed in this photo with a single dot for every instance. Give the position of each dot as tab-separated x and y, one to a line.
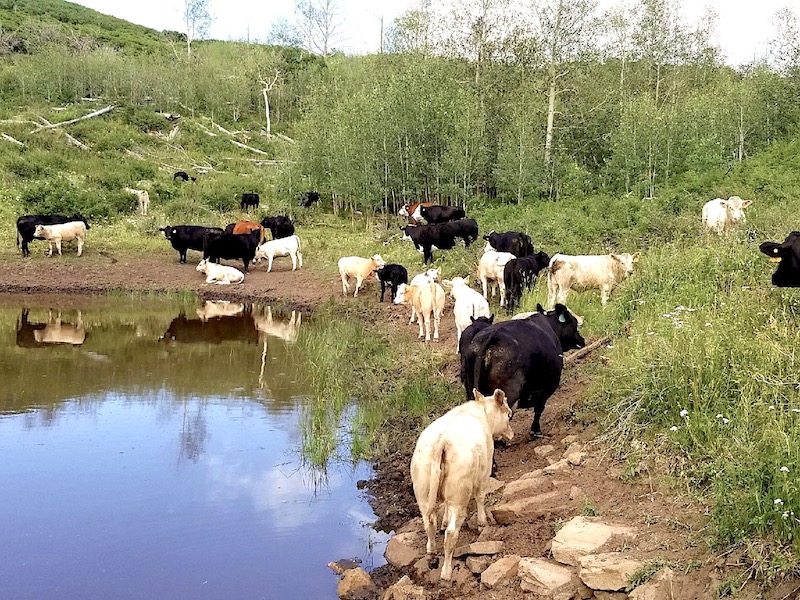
646	572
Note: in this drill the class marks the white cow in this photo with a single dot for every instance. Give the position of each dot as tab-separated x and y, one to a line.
452	462
143	197
429	276
721	215
426	299
490	268
287	246
469	304
65	232
360	269
601	272
220	274
213	309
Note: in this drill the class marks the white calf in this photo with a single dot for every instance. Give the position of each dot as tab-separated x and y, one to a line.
601	272
56	332
469	303
220	274
721	215
429	276
285	330
490	268
452	462
66	232
288	246
359	269
143	198
425	299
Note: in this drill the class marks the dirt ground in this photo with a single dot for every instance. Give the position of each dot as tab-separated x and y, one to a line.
671	525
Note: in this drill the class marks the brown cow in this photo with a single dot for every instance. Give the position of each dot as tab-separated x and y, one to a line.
412	211
246	227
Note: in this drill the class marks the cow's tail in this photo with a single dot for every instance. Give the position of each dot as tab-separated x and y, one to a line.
17	237
435	474
480	368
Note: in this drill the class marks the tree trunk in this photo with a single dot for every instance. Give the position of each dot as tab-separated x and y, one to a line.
266	111
551	110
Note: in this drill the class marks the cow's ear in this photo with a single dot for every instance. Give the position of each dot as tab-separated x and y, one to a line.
746	203
477	395
472	319
491	318
539	308
636	257
561	311
466	280
499	397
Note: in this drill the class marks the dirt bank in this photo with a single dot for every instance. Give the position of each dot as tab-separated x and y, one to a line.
671	526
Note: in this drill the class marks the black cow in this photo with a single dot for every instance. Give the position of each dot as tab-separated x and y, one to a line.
524	358
280	226
231	246
467	336
187	237
26	225
441	214
392	275
249	200
441	236
183	176
307	199
519	244
521	273
787	255
212	331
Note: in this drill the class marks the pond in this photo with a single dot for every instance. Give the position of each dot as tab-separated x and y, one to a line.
151	449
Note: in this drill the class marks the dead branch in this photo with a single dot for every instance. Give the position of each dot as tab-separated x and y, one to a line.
71	140
18	122
173	133
285	138
578	354
96	113
221	128
206	130
246	147
8	138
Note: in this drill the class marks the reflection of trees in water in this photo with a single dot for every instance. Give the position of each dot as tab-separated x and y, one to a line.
194	433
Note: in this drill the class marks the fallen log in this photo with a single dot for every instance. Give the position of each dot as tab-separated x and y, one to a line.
8	138
246	147
91	115
579	354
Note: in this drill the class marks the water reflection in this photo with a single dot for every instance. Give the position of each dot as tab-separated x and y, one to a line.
54	331
90	430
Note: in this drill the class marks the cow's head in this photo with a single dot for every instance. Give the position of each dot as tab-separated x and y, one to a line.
498	414
787	255
39	231
379	261
202	266
565	325
168	231
405	229
627	261
734	207
403	212
400	294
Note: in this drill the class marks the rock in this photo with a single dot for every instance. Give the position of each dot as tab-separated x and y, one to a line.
584	535
356	585
422	566
493	487
524	509
489	533
600	595
573	447
608	572
415	525
500	572
575	492
478	564
547	578
576	458
569	440
343	564
527	487
557	466
479	548
462	577
530	474
541	451
660	587
404	590
405	549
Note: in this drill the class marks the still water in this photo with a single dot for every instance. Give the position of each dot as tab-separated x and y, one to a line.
151	450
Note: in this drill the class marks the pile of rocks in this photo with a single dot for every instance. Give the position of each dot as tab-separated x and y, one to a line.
579	567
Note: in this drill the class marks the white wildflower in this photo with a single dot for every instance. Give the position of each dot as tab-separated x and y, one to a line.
771	407
778	501
796	410
719	416
725	421
784	469
610	346
650	332
708	324
674	428
684	412
785	515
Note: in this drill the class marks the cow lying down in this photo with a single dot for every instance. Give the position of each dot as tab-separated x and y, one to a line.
452	462
220	274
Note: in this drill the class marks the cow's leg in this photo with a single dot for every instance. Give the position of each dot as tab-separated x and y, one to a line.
604	293
182	254
427	327
49	248
80	246
457	515
437	316
269	263
294	261
419	322
429	521
480	497
411	320
383	289
358	285
536	428
483	285
58	246
300	257
552	289
344	284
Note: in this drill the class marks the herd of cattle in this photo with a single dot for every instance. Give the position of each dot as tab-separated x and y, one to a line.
511	364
